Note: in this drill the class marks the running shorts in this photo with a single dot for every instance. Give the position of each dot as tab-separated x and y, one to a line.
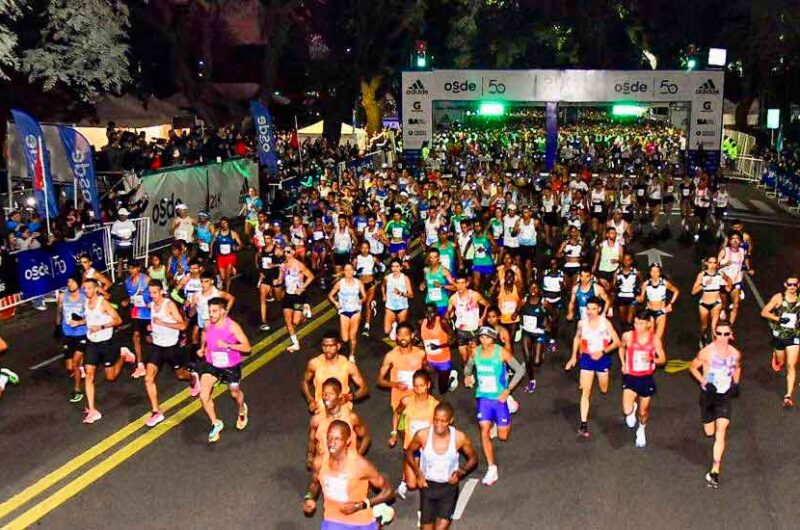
231	375
437	501
465	338
101	353
601	365
493	411
714	407
70	345
642	385
175	356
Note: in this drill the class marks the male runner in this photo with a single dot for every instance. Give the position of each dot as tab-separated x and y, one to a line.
438	471
397	373
344	478
583	291
492	392
332	401
72	309
100	320
6	375
595	339
782	312
222	347
640	351
167	324
464	308
138	300
329	364
718	369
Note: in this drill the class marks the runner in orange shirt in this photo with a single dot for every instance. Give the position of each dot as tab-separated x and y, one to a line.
435	333
344	478
397	373
330	364
333	410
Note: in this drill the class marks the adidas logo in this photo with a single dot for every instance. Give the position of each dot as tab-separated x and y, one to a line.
417	89
708	88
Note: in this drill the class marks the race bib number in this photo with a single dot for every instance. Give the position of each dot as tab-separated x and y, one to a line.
406	377
487	383
640	193
317	235
641	361
595	345
418	425
138	300
530	323
685	192
204	246
219	358
432	346
435	294
224	249
397	233
508	307
792	320
335	489
266	262
598	208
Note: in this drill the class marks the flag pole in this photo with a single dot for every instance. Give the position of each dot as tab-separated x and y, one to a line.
299	147
44	188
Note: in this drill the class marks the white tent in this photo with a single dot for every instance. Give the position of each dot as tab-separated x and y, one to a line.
349	134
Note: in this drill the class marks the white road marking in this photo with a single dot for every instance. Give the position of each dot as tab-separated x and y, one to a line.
737	204
756	294
654	255
463	498
762	206
45	363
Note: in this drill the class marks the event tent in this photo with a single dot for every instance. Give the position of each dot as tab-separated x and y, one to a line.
349	134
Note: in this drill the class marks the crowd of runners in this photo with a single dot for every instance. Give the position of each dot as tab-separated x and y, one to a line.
477	274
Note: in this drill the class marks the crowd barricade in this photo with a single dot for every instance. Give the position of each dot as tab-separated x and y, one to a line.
782	184
749	169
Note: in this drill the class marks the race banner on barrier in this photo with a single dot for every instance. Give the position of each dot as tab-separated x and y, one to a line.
218	188
45	270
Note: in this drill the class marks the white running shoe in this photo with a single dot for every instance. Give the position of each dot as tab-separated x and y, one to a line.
490	477
402	490
641	440
452	381
393	332
307	310
630	419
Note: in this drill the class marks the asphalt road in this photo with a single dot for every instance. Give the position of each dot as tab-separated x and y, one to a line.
58	473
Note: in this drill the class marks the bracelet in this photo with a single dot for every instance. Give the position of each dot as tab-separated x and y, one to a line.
393	433
309	496
367	504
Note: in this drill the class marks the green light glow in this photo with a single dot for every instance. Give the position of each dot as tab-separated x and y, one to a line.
627	110
491	109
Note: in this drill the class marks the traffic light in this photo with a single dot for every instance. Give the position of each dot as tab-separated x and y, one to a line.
420	55
691	57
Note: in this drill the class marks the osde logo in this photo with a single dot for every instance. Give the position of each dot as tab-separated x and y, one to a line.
456	87
627	87
164	209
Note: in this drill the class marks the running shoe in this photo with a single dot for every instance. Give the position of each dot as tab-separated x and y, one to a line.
307	310
712	480
552	346
393	332
127	354
402	490
139	372
351	358
518	335
83	372
76	396
374	308
641	439
264	327
788	402
271	299
490	477
513	405
293	348
530	387
92	416
630	419
194	389
155	418
243	419
216	429
493	431
583	432
452	381
13	378
777	366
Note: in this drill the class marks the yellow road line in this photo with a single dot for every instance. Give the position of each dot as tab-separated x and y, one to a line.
676	365
108	443
74	487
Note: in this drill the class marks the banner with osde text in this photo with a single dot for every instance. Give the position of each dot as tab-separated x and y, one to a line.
222	186
81	162
47	269
37	162
265	135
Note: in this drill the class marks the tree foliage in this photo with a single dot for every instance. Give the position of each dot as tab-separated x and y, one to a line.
9	12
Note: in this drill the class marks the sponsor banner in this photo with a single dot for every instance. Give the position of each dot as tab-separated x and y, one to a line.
417	109
222	186
37	162
79	157
705	121
45	270
265	136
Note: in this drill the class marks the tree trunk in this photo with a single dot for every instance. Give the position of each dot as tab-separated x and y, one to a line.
369	99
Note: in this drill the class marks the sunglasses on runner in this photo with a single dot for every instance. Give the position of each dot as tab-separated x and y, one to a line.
723	333
791	284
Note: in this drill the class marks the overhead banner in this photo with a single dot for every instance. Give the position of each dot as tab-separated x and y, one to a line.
703	90
79	157
219	188
37	163
265	135
47	269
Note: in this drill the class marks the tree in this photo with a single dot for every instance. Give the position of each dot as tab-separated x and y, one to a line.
9	12
82	47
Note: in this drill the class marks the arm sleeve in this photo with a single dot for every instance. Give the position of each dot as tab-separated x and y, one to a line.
469	367
519	371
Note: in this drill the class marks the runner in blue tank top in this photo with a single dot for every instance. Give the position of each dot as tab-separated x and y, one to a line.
71	322
139	302
583	290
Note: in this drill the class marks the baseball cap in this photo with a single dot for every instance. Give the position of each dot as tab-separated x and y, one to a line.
181	206
511	206
489	332
123	211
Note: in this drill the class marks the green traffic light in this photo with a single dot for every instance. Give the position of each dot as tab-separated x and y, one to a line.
691	64
422	61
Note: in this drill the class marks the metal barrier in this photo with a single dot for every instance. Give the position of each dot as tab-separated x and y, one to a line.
141	242
749	169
